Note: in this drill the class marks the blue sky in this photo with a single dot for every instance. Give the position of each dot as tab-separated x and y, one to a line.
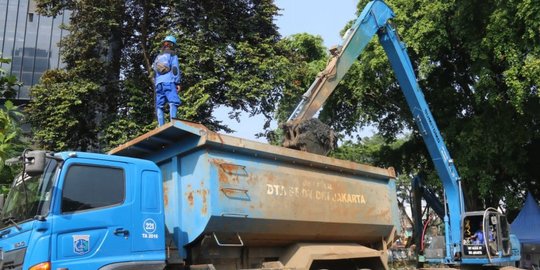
318	17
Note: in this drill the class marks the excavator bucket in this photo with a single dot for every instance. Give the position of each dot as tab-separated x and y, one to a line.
310	135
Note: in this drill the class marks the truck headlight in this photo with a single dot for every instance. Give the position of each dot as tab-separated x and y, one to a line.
41	266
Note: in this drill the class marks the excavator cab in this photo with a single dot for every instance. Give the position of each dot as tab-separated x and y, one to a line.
486	234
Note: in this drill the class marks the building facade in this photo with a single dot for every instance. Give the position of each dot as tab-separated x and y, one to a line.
30	41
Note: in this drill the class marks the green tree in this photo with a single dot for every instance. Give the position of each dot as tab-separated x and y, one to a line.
10	132
228	56
12	141
8	82
476	63
63	111
10	144
379	152
307	56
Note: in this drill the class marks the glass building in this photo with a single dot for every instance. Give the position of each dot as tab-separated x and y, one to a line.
30	41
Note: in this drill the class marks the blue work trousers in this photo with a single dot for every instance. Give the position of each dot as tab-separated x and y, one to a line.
166	93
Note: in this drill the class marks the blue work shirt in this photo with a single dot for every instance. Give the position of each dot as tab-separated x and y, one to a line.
479	238
174	75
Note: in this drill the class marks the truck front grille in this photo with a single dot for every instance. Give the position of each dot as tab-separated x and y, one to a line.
13	259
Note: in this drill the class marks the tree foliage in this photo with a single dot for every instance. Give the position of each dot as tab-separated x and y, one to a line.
12	141
227	51
10	132
307	56
377	151
8	82
63	111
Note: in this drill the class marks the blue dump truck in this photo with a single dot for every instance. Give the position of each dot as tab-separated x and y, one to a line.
184	197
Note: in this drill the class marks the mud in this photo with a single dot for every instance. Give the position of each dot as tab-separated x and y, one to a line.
310	135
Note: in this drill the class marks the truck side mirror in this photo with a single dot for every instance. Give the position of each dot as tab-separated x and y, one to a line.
34	162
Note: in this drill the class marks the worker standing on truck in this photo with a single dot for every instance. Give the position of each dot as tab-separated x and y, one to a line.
167	79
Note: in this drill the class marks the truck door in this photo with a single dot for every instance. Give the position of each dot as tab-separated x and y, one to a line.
92	222
148	233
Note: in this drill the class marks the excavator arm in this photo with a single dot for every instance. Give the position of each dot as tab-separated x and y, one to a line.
374	15
375	20
306	133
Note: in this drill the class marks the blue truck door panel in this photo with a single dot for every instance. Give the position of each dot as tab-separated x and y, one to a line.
148	222
92	223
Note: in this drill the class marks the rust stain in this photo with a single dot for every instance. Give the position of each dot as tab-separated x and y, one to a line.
371	211
203	193
227	173
340	187
252	179
229	168
190	198
228	192
215	137
222	176
391	172
387	215
165	195
270	177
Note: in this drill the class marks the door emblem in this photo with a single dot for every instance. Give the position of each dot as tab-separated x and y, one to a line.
81	244
150	227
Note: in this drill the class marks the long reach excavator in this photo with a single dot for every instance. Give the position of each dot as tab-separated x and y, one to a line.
303	132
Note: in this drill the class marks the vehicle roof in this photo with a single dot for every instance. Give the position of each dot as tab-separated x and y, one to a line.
70	154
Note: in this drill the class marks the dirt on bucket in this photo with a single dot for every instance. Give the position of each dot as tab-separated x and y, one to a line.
311	136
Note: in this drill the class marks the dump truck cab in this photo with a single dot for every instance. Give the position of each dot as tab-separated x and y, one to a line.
74	210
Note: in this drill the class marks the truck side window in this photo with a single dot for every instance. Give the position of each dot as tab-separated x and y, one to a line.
89	187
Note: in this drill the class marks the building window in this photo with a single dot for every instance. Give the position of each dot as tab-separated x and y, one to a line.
90	187
30	41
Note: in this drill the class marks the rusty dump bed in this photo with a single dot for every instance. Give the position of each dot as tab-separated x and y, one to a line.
267	195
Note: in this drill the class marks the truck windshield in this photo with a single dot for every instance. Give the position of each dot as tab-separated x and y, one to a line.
29	198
